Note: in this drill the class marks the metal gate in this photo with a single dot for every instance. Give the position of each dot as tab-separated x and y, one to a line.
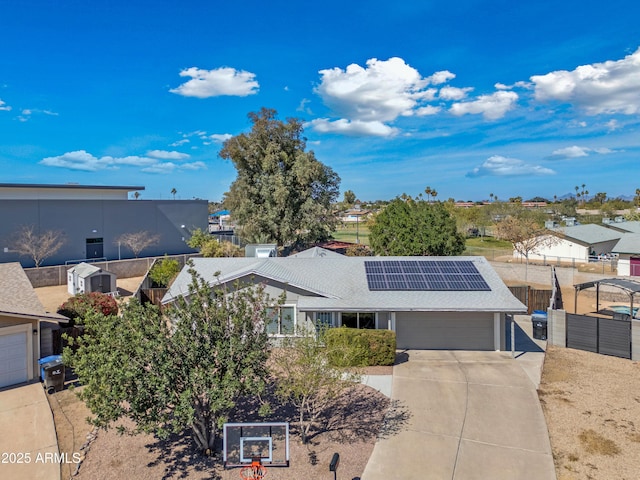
608	336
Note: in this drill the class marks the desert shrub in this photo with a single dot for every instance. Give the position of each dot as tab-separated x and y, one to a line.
373	347
77	307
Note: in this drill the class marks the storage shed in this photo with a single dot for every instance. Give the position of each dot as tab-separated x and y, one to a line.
87	278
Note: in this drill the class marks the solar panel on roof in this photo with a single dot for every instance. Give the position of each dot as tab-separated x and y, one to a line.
424	275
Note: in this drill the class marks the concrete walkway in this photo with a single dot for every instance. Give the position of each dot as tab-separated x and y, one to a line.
471	415
28	443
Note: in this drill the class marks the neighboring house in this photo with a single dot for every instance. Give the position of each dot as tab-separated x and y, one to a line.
430	302
624	226
577	242
355	215
22	321
92	218
628	251
87	278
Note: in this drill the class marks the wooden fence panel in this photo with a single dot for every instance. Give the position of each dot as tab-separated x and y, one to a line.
533	298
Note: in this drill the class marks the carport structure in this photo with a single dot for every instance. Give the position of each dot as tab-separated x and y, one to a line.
630	287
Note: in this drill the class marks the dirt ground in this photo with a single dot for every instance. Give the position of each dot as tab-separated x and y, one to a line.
350	430
52	297
592	406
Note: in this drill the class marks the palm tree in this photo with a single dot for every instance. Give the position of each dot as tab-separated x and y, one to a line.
434	194
491	196
137	194
428	192
173	192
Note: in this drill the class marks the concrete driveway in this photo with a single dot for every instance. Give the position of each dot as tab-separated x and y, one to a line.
28	443
472	415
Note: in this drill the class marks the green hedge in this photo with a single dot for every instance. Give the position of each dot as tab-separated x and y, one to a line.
352	347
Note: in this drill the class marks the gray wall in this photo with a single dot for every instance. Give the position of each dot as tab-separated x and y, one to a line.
77	220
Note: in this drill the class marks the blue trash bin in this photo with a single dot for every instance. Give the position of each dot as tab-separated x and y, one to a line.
539	324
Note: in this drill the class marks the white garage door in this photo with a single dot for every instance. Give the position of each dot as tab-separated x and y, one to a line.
13	358
444	331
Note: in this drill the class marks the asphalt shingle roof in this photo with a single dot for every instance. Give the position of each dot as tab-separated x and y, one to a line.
340	284
17	295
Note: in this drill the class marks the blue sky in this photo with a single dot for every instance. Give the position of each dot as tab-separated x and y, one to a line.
469	97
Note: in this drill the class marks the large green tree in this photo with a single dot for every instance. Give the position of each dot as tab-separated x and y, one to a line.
282	193
181	370
409	226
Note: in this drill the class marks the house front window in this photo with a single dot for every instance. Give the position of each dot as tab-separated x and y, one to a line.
359	319
324	319
282	320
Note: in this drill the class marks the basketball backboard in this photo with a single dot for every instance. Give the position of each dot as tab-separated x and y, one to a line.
243	442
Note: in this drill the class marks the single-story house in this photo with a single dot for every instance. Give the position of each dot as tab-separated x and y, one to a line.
628	251
21	316
578	242
355	215
87	278
430	302
624	226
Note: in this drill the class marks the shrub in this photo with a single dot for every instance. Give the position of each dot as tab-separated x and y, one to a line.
78	306
164	271
373	347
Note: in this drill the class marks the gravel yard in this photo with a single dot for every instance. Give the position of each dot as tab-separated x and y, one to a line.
592	406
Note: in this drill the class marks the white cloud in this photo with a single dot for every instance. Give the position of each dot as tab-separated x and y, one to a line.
612	125
193	166
352	127
576	152
453	93
84	161
79	160
500	166
178	143
220	137
166	167
608	87
491	107
571	152
302	107
27	113
441	77
4	107
380	92
217	82
165	155
604	151
428	110
170	167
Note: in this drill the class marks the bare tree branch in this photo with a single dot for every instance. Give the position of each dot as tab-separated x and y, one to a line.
38	246
138	241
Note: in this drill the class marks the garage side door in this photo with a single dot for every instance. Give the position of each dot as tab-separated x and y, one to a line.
444	331
13	358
